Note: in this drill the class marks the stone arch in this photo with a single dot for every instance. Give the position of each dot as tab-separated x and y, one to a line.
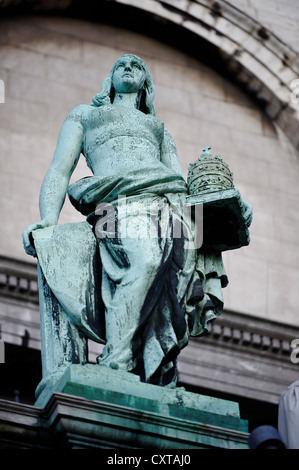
259	60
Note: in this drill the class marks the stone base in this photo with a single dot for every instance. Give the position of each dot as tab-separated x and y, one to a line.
111	408
224	224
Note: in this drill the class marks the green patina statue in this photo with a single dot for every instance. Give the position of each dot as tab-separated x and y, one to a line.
127	277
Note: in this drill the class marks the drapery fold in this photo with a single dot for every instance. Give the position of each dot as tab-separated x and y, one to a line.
153	291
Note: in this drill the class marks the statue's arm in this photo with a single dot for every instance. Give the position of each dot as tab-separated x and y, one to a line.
56	180
169	154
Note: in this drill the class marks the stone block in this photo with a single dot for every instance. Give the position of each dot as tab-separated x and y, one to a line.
99	33
222	112
60	71
201	12
176	76
32	89
223	366
210	84
185	419
164	98
233	94
264	223
44	41
25	115
187	152
267	248
71	422
272	202
283	178
287	229
248	170
283	293
102	383
22	60
99	55
249	295
228	29
260	147
277	20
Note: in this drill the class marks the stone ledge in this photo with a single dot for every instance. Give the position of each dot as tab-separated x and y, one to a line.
126	421
100	424
18	279
96	382
253	334
98	407
20	426
156	416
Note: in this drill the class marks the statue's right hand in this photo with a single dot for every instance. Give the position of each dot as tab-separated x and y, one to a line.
27	235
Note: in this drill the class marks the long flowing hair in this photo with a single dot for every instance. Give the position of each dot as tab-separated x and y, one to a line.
107	93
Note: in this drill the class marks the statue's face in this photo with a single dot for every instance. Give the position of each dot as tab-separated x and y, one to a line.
128	75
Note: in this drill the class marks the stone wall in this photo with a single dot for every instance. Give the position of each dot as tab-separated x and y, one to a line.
49	65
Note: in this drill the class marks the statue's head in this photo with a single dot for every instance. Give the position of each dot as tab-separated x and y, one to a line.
143	82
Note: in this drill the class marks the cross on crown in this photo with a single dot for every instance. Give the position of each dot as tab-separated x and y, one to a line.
206	150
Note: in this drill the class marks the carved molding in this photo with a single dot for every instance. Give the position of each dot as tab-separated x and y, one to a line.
254	334
71	422
18	282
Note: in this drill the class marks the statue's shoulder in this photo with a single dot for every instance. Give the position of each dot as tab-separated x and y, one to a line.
168	139
80	113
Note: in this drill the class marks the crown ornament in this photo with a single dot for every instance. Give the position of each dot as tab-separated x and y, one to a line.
209	174
226	216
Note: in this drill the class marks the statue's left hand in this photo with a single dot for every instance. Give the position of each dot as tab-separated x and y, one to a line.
27	236
247	212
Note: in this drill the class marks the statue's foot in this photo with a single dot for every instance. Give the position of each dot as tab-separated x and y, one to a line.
114	365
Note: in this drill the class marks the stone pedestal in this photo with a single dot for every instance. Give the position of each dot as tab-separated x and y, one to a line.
94	406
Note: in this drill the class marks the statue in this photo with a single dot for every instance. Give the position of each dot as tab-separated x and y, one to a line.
141	296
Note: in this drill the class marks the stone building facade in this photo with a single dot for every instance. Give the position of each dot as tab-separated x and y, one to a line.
225	75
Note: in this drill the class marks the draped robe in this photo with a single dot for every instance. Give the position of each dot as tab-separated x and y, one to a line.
156	288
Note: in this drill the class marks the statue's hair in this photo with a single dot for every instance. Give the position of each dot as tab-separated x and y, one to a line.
107	93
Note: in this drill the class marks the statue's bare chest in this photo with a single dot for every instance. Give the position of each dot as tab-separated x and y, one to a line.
109	122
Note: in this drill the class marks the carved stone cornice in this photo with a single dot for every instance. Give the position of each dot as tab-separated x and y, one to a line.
18	279
18	282
253	334
72	422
